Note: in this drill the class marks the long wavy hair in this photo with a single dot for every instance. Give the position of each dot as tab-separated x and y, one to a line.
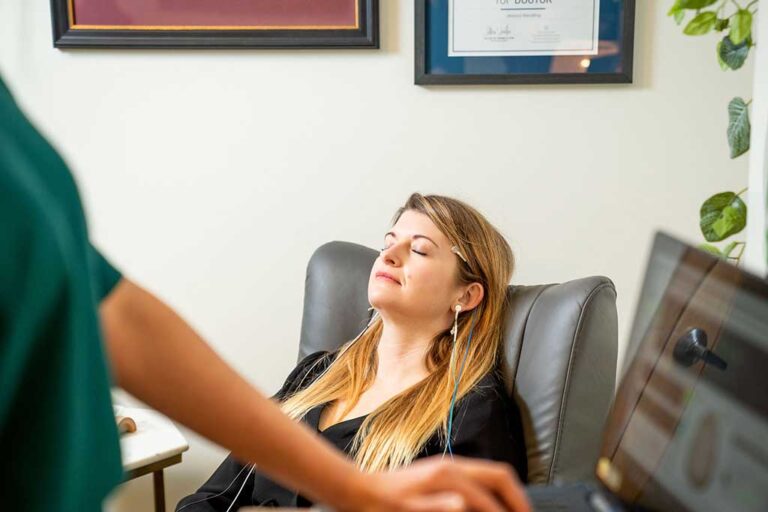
395	433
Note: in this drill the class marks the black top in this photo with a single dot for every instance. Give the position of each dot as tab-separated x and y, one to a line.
486	425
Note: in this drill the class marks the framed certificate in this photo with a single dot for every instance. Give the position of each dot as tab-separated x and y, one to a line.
524	41
216	23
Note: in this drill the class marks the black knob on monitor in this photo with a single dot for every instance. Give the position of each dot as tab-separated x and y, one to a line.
692	347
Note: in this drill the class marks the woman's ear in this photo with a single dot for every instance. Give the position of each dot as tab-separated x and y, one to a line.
472	297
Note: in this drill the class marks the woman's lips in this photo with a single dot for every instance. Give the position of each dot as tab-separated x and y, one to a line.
388	277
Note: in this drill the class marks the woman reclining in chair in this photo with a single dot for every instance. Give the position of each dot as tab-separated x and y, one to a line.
422	378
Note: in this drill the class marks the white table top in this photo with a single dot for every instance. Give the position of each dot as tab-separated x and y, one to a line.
156	438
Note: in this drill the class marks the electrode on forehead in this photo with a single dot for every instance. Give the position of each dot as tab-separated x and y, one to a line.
455	250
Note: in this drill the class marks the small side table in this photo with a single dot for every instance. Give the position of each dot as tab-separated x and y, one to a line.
155	445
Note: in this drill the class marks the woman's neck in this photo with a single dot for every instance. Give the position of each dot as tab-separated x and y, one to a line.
402	353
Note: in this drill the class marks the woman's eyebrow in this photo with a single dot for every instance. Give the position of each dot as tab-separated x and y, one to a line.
414	237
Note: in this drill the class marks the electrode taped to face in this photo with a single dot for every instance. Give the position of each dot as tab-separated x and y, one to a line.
455	250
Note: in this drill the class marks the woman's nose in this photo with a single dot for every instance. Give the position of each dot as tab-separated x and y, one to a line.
391	255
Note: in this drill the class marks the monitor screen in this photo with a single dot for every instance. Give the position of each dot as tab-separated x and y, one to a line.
662	262
689	424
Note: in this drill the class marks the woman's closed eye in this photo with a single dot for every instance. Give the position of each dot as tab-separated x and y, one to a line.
420	253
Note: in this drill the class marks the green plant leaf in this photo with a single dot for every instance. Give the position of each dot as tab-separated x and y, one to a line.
677	12
696	4
721	216
729	249
741	28
711	249
738	127
675	8
723	65
721	24
732	55
701	24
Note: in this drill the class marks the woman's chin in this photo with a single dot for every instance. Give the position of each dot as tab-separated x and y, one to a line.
383	302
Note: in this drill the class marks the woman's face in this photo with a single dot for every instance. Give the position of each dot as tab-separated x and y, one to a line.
415	276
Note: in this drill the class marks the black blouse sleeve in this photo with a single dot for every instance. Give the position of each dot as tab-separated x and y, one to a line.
217	493
487	425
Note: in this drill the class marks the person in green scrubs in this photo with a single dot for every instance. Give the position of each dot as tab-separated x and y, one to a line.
71	326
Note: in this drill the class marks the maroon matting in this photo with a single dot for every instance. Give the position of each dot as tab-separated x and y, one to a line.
214	14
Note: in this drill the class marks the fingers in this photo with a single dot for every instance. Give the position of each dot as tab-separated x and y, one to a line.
499	479
477	496
438	476
438	502
465	484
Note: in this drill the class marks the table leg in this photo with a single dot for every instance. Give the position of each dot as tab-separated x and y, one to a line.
157	477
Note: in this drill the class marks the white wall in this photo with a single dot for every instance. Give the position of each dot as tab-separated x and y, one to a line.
756	255
211	176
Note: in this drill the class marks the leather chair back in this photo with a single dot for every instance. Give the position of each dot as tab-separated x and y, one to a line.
560	349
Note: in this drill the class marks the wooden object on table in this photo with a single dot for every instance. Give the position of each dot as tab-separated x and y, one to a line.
155	444
125	424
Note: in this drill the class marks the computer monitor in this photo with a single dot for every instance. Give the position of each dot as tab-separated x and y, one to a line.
688	430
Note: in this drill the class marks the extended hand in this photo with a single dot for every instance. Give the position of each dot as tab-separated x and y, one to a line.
436	484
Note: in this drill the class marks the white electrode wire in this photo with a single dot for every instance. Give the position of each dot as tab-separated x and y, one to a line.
216	495
241	488
448	448
368	326
310	373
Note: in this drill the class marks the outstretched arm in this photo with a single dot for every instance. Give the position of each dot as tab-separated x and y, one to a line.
156	356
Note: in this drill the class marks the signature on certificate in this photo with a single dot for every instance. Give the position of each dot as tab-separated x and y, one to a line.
502	31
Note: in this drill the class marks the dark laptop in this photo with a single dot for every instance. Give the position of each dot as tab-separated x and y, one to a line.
688	429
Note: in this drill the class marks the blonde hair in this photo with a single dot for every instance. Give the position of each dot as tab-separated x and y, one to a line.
395	433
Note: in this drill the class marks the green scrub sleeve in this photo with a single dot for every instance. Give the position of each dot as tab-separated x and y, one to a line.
105	275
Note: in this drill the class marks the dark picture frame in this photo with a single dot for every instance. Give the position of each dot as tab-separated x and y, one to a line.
431	42
67	34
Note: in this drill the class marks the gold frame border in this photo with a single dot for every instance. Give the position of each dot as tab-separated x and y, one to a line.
73	26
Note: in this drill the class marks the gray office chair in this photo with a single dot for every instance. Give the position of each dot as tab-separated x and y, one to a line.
559	353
